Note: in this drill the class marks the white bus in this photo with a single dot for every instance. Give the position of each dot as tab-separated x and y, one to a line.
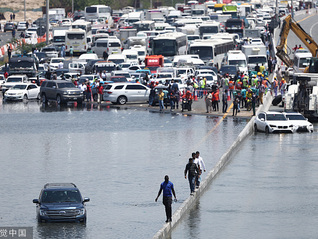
96	12
213	51
170	44
209	28
84	25
77	39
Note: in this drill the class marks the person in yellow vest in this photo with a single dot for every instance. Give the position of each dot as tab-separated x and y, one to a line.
275	86
262	68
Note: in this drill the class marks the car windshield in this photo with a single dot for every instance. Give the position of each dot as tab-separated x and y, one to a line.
239	63
164	76
295	117
48	49
61	196
228	69
14	79
276	117
66	85
19	87
57	60
180	72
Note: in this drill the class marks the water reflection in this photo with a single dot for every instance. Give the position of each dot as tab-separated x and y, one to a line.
60	230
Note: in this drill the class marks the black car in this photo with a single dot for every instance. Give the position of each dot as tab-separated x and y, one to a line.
229	69
60	202
61	91
9	26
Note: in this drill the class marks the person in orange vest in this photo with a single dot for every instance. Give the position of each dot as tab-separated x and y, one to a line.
215	100
231	87
275	85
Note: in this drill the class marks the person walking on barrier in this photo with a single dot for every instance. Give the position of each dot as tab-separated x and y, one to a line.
167	188
192	170
201	166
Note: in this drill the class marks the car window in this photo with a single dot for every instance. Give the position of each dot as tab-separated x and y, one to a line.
50	84
32	86
135	87
118	87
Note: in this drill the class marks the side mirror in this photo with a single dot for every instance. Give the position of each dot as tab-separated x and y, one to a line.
36	201
86	200
54	87
262	119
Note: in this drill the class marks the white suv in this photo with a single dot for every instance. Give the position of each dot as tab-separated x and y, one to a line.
121	93
12	81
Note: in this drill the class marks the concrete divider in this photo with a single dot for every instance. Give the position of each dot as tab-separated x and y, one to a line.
226	157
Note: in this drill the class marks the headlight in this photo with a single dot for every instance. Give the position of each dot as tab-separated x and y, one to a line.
81	211
65	93
271	125
290	126
42	212
20	93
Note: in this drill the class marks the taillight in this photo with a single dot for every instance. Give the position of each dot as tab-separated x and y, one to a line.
65	47
107	49
109	92
225	28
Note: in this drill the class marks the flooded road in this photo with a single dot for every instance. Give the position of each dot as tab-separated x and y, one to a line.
118	158
268	190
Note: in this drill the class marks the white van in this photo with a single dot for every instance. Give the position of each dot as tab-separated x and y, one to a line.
131	56
238	58
301	60
100	46
141	50
113	46
117	58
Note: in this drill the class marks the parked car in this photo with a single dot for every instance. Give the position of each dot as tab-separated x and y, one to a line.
121	93
299	121
229	69
61	202
31	32
55	61
273	122
21	26
12	81
23	91
61	91
9	26
51	51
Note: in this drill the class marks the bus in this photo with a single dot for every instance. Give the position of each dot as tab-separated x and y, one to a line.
170	44
84	25
96	12
211	51
219	7
209	28
77	39
235	25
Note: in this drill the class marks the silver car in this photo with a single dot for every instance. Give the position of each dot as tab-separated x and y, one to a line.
121	93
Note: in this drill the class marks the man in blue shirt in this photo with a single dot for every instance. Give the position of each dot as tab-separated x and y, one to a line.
168	190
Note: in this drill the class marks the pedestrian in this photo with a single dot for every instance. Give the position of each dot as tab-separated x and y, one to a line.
152	94
88	92
63	50
9	52
192	170
27	24
100	93
13	16
61	65
13	33
105	55
224	101
71	51
208	102
201	166
254	99
161	96
166	97
236	101
167	188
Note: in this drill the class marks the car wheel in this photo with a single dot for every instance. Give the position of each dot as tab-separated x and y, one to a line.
122	100
44	99
25	98
255	128
58	99
267	130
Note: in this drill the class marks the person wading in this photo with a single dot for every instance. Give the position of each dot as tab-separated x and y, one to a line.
168	190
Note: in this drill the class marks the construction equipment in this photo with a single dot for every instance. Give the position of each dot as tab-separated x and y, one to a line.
290	24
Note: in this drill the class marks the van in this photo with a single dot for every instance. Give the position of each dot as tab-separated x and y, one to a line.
113	46
141	51
77	67
238	58
131	56
301	60
117	58
100	46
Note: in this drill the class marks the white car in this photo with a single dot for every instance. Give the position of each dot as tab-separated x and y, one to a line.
50	51
32	32
21	26
23	91
54	64
121	93
300	122
273	122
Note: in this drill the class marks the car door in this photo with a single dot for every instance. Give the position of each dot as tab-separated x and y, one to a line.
142	93
261	122
131	92
32	91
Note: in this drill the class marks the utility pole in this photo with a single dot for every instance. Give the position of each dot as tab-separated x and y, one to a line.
72	6
24	11
292	8
47	21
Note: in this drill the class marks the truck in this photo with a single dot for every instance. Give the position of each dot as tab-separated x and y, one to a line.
154	13
255	54
124	34
59	35
153	62
252	33
22	66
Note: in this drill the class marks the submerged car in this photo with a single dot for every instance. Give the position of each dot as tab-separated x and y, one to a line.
300	123
61	202
22	91
273	122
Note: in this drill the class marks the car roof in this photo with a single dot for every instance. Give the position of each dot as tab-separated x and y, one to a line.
59	185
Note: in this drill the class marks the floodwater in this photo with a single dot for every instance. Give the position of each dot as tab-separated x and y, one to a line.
268	190
117	158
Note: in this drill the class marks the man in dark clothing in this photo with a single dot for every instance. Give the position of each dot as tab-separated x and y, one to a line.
257	67
9	52
192	170
168	190
105	55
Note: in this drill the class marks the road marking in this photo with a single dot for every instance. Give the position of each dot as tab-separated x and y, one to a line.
310	32
211	131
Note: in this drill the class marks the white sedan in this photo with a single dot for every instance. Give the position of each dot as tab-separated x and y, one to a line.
23	91
273	122
300	122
